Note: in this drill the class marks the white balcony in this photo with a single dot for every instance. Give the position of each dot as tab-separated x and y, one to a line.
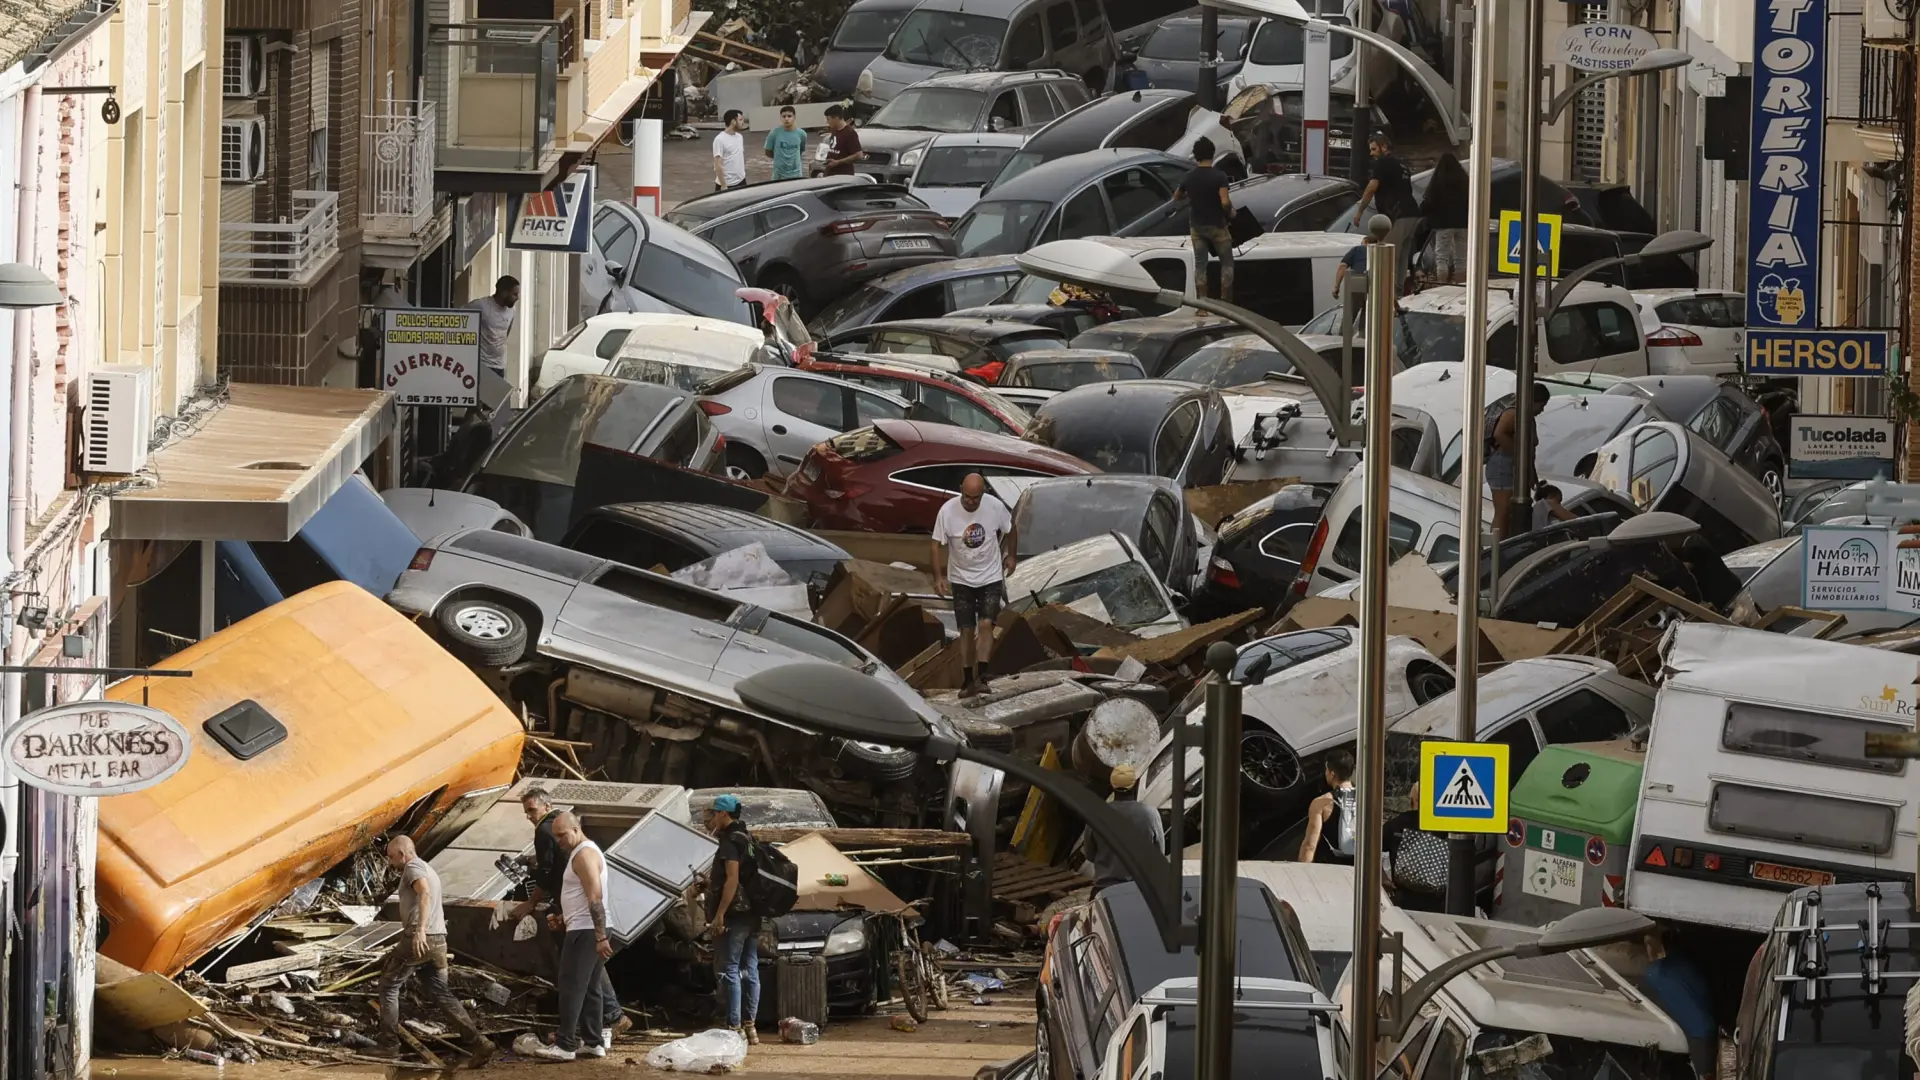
399	166
291	252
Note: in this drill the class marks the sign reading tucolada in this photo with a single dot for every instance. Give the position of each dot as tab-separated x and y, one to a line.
1602	46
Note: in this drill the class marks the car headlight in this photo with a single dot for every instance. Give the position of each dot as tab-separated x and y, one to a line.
848	937
911	157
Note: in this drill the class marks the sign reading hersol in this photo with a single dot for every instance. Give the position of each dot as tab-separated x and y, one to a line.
96	748
430	356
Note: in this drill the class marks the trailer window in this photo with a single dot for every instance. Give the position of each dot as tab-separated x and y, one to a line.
1799	818
1770	731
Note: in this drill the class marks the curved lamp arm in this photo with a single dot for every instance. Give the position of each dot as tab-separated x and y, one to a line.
1327	384
1421	992
1564	287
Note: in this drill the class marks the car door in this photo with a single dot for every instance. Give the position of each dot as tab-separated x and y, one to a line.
631	622
736	236
1600	336
1132	193
1084	214
1026	45
1173	444
616	240
801	410
1063	35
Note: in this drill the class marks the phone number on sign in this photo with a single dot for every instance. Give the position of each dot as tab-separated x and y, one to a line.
436	399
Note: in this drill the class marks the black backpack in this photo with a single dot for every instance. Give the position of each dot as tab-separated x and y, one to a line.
771	881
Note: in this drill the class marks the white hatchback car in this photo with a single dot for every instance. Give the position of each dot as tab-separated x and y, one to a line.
709	346
772	416
1693	331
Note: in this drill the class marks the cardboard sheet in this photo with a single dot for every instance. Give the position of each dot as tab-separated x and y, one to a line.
816	858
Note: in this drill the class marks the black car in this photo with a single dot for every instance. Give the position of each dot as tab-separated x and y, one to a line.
1281	203
1066	320
1723	415
1257	553
948	343
1080	195
677	535
1171	429
1154	119
863	34
1160	341
927	291
1171	57
1565	583
1506	194
1105	956
1148	510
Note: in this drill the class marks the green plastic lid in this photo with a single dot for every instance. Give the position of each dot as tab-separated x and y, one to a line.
1590	787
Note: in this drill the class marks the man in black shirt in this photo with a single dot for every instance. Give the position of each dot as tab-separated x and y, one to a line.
730	920
548	862
1390	189
1209	209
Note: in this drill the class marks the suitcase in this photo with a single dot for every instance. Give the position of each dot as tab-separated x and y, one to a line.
800	988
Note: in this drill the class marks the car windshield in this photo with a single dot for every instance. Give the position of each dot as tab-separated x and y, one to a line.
1126	590
998	228
930	108
692	286
867	31
1280	42
1067	374
1578	1059
544	442
1261	1040
961	166
947	39
666	367
1181	41
1233	362
1020	162
1826	1060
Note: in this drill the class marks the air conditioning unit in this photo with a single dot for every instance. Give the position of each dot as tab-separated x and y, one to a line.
243	74
119	418
1882	23
243	150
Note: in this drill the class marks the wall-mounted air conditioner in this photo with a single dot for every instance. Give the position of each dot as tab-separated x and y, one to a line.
119	418
243	150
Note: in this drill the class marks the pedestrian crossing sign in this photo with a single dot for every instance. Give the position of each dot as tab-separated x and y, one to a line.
1546	234
1463	787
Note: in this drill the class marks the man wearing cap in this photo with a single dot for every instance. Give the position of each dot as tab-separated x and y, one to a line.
1107	868
733	926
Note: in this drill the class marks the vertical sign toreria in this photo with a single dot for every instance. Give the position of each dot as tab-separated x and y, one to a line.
1783	205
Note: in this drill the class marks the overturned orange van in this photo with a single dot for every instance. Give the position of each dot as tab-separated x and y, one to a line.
317	724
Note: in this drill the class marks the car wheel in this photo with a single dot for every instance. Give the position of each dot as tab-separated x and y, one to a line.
1774	478
879	763
744	463
1268	766
1043	1043
787	284
484	631
1426	683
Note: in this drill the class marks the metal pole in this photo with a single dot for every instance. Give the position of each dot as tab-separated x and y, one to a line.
1318	68
1527	292
1219	864
1360	164
1209	73
1473	435
1370	774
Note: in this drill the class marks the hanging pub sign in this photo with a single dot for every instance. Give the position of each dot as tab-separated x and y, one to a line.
96	748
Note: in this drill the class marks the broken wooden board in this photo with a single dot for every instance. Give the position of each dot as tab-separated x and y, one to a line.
1014	878
144	1002
1213	503
1169	650
1037	834
266	969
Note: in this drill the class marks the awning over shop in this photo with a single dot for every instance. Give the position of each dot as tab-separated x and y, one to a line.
259	467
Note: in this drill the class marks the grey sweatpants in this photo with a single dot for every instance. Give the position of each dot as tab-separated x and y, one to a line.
581	974
401	966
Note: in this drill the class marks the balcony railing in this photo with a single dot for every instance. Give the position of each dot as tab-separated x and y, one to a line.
493	85
1886	87
399	155
291	252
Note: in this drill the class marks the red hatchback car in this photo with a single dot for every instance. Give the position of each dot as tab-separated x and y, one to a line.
895	475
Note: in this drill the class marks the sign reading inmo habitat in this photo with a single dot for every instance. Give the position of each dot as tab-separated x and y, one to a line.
1858	568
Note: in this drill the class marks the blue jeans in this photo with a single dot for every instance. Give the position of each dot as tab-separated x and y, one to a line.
736	965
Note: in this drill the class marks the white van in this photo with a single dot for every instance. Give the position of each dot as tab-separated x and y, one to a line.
1423	515
1757	782
1285	276
1597	329
1277	55
676	350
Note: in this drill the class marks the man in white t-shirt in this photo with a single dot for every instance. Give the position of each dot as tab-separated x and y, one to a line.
730	152
973	546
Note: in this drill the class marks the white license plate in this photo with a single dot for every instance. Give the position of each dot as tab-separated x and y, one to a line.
1553	877
911	244
1340	144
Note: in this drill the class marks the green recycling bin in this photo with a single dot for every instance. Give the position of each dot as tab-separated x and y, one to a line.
1570	831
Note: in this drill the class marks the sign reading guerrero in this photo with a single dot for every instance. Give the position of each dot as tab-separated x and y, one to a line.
431	356
97	748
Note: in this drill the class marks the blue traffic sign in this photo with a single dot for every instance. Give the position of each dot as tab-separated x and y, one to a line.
1546	235
1463	787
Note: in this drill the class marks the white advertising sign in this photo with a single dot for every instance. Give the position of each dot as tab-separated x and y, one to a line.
1840	448
1847	567
97	748
431	356
1602	46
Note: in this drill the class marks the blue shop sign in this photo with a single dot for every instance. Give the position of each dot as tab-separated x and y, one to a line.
1788	134
1854	353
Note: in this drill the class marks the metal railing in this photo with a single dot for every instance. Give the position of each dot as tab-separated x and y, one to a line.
1886	86
399	156
291	252
493	83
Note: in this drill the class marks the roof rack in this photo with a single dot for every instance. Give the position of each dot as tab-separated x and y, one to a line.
1807	961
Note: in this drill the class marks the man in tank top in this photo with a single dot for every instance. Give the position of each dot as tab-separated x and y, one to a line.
1332	818
584	948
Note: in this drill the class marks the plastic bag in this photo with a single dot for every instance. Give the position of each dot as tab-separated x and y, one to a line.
747	567
713	1050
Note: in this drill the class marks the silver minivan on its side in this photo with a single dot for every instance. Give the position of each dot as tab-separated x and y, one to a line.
992	35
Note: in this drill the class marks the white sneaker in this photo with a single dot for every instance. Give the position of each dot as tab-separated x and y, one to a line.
552	1053
586	1051
606	1038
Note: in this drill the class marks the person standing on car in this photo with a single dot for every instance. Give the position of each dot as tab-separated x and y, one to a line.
1209	210
421	950
1444	209
1107	867
584	950
973	546
1332	818
1503	462
731	923
549	867
787	146
730	152
1390	189
843	143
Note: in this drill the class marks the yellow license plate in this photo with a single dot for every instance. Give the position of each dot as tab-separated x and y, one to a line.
1791	875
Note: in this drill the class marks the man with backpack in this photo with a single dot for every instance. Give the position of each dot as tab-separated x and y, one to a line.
731	920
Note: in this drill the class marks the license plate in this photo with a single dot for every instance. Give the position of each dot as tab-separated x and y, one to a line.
1340	144
1553	877
911	244
1790	875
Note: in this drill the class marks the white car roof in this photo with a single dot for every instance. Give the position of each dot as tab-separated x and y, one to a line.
696	341
1503	691
978	138
1654	296
1452	299
633	320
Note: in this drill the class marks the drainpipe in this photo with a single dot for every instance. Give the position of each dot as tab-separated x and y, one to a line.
19	409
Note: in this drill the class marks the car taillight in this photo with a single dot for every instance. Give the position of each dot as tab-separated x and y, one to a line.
1221	573
714	408
1311	559
1674	336
810	469
847	225
421	559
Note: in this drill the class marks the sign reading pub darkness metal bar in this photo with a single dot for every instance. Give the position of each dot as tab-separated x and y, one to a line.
1783	205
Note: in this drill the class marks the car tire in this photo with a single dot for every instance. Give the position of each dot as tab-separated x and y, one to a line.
882	764
1043	1050
787	284
744	462
483	630
1773	476
1426	683
1270	770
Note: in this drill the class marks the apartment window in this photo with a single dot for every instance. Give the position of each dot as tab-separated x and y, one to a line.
319	97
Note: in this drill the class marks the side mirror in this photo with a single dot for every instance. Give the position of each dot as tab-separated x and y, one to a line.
1180	600
617	271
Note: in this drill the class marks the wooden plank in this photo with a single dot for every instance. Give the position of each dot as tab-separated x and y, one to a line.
901	838
1674	599
263	969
